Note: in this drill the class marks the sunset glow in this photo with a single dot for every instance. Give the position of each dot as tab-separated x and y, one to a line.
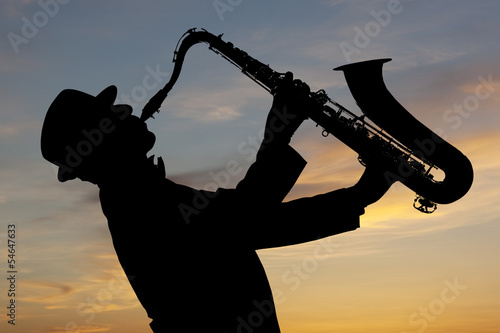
401	272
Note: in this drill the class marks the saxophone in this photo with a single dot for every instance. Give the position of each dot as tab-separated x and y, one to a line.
409	151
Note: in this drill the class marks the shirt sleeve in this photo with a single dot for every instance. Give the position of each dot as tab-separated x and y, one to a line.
270	178
311	218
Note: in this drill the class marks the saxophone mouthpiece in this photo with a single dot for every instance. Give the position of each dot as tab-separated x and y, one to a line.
153	105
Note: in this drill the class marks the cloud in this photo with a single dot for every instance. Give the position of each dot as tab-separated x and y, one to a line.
15	8
11	64
15	129
54	294
209	105
83	328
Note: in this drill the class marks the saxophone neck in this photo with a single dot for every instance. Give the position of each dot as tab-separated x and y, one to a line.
187	40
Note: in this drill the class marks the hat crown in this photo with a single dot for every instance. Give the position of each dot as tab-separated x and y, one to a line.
71	112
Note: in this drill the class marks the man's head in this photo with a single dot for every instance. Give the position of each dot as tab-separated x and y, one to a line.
85	135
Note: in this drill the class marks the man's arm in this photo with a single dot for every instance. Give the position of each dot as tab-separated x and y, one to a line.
266	221
269	179
308	219
278	166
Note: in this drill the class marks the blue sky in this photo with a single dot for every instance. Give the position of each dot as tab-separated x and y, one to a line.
445	70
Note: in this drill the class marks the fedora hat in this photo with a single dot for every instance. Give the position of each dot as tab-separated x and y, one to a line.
71	128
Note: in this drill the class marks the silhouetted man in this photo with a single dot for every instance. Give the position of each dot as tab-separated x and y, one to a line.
190	255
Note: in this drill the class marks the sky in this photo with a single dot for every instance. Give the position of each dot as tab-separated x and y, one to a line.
401	272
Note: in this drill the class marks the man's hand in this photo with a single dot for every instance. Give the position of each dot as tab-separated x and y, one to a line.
290	105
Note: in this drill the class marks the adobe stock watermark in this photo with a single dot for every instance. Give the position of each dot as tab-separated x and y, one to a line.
262	310
31	26
223	6
150	82
97	304
294	276
471	103
430	313
298	273
364	36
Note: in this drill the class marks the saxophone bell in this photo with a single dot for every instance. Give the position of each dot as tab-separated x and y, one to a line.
425	150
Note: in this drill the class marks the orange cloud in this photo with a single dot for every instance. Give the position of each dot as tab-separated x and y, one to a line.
82	329
53	294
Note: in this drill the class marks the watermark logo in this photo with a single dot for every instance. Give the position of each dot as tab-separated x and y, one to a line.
97	304
223	6
428	314
150	82
364	36
460	111
31	26
298	273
